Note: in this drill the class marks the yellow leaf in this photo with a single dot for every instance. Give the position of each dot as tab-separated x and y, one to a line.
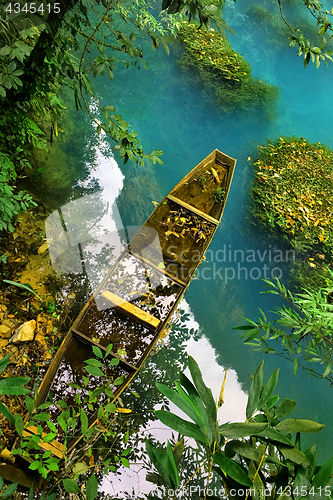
43	248
124	410
216	177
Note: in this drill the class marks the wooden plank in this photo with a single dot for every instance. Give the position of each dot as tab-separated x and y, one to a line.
24	478
191	208
55	446
131	309
161	271
51	371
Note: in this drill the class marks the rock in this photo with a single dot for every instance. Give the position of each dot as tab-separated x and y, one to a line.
40	338
7	455
47	356
5	331
24	333
44	324
9	322
3	342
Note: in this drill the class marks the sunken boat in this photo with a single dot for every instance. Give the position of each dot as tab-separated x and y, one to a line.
136	299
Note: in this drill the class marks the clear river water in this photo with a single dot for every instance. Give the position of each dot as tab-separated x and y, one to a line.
172	111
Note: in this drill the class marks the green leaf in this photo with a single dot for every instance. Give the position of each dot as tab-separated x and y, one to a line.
94	362
239	430
275	435
12	386
255	390
7	413
205	394
4	362
183	401
232	469
299	425
245	450
42	417
272	400
50	437
97	352
165	46
161	460
269	388
111	407
9	491
19	424
29	404
34	465
93	370
19	285
125	462
323	476
294	454
284	408
172	466
71	486
53	466
182	426
92	487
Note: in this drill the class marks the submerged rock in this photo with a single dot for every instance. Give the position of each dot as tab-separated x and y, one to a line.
24	333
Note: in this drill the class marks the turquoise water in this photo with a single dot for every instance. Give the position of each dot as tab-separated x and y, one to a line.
172	111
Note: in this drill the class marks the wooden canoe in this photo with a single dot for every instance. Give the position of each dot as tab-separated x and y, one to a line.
137	297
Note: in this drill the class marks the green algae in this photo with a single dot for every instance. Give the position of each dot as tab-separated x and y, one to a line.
223	69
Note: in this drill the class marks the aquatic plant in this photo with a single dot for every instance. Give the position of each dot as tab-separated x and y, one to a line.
219	194
304	327
223	69
241	459
293	191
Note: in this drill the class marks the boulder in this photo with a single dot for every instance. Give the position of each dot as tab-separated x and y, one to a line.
24	333
5	331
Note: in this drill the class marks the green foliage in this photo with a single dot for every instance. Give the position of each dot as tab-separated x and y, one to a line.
262	452
11	386
11	204
25	287
223	69
293	191
304	328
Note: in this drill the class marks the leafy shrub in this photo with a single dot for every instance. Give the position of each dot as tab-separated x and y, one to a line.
11	204
222	68
263	453
293	191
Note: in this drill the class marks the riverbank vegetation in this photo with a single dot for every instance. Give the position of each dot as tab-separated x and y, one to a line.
223	69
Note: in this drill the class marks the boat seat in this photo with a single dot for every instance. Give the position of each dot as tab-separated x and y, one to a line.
56	447
131	309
